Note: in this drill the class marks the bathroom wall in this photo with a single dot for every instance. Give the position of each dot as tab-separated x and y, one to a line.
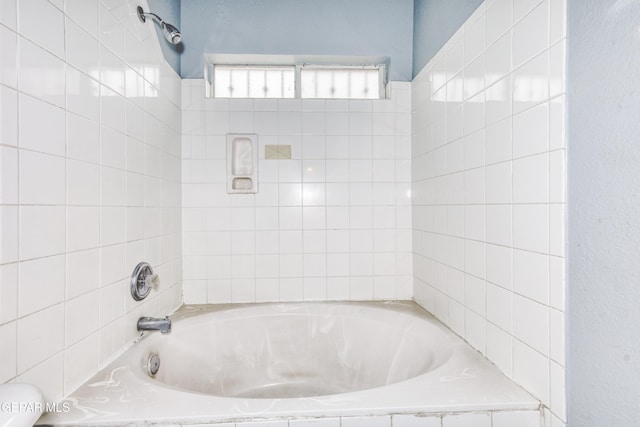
90	130
602	269
434	22
488	174
331	223
298	27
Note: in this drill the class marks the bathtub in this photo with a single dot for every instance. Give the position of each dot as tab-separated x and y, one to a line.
292	361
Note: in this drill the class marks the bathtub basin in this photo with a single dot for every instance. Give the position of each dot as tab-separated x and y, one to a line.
237	362
302	350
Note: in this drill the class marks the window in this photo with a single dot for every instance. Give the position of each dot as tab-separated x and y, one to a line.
232	81
296	77
340	82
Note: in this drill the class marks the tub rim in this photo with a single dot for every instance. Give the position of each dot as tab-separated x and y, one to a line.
469	382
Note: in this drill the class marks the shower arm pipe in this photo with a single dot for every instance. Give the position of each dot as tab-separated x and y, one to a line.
159	20
171	33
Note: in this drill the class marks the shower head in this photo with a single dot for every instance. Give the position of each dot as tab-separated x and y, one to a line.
171	33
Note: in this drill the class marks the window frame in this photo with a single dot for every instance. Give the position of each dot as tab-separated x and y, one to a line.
299	64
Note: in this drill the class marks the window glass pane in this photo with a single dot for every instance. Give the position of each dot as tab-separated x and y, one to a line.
325	86
222	83
289	83
341	83
373	84
358	87
308	84
239	83
273	85
257	84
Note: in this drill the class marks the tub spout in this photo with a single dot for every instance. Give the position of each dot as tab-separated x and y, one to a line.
154	324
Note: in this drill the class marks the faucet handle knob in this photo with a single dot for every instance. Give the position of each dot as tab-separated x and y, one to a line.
152	280
142	280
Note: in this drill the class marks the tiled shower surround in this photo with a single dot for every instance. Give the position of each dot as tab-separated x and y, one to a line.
452	193
331	223
90	175
488	183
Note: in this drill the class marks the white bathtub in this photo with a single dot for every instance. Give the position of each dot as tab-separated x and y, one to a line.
288	361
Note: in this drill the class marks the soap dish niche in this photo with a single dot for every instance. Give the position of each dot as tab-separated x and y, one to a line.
242	163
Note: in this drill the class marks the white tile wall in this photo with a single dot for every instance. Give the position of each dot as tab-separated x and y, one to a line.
90	185
488	180
333	222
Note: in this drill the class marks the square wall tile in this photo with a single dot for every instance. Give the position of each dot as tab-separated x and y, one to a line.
8	292
467	420
531	131
42	126
42	231
316	422
416	421
558	391
530	35
8	117
531	227
9	227
35	343
531	179
81	316
85	13
83	94
81	47
80	361
33	59
282	423
8	15
42	179
531	370
499	348
373	421
531	275
8	175
43	23
51	385
8	367
82	272
44	278
531	323
8	53
516	418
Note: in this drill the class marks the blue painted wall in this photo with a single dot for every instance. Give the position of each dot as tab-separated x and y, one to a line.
434	22
311	27
168	10
603	164
409	31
